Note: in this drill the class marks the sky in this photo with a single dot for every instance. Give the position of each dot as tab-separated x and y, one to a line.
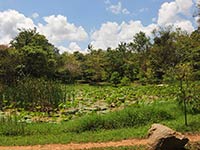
73	24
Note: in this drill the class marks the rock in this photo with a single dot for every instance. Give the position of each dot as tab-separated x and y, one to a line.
164	138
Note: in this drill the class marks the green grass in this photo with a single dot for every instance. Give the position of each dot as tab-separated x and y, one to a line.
63	138
9	126
154	104
129	117
46	133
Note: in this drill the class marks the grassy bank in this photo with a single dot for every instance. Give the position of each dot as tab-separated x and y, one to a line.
99	113
132	122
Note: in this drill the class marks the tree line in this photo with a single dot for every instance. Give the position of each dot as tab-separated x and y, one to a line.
143	59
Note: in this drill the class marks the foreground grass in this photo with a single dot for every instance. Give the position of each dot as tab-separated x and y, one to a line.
64	138
48	133
132	122
60	137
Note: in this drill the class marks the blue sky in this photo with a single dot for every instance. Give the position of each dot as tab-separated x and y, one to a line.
72	24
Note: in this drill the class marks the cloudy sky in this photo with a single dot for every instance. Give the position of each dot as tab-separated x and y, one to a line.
72	24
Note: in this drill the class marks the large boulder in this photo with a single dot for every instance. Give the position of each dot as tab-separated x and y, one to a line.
164	138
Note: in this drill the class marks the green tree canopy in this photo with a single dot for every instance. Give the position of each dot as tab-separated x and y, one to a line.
39	57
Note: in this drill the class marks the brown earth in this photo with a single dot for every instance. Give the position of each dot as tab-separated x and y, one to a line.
73	146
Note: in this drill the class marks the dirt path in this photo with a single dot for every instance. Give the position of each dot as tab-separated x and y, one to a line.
72	146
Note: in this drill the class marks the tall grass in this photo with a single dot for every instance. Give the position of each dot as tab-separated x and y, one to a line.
129	117
97	126
10	126
34	94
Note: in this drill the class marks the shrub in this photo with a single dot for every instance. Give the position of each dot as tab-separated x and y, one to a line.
129	117
115	78
125	81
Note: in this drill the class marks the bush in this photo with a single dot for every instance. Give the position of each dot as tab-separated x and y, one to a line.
129	117
125	81
115	78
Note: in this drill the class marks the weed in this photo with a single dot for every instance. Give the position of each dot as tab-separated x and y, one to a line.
34	94
10	126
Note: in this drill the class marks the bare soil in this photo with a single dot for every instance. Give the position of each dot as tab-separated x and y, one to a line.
73	146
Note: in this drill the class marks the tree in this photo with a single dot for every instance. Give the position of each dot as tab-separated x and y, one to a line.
9	64
24	38
35	61
121	60
69	68
183	75
164	54
79	56
94	66
194	53
39	57
140	46
141	43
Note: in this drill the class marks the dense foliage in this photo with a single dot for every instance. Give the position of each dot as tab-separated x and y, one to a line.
144	59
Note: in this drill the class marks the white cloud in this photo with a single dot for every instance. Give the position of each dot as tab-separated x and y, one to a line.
73	47
111	33
184	6
106	36
11	21
63	49
167	13
185	25
171	13
35	15
58	30
117	9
